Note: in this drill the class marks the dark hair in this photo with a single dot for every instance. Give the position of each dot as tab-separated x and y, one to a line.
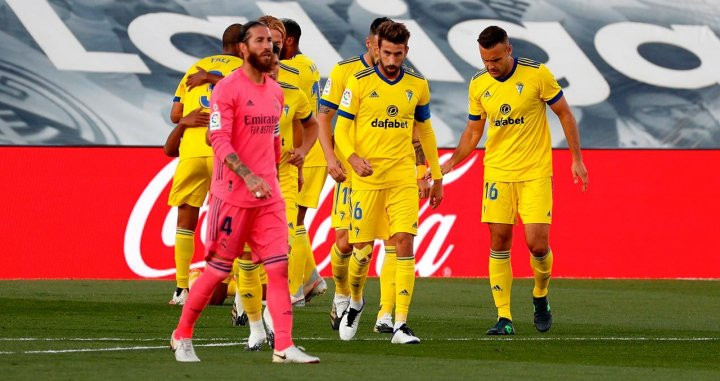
245	35
292	29
232	34
394	32
276	49
376	24
492	36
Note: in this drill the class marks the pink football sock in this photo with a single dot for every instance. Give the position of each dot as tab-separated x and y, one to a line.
197	300
278	301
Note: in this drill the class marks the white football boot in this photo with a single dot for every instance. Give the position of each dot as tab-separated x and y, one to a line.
179	299
183	348
294	355
257	336
237	314
340	305
349	322
404	335
315	288
384	324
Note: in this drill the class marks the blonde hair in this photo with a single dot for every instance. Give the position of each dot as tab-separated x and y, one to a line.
273	23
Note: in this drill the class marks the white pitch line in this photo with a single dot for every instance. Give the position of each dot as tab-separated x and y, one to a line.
115	349
220	342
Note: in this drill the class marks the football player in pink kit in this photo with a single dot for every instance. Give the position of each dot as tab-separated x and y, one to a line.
246	205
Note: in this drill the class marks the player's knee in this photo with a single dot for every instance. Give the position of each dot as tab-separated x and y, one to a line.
187	217
403	243
341	241
538	249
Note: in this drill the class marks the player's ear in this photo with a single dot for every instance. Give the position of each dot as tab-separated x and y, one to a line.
509	49
407	48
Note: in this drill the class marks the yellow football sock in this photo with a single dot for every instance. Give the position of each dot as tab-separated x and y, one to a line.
184	250
358	271
340	263
542	270
250	289
501	279
404	286
311	272
387	282
296	261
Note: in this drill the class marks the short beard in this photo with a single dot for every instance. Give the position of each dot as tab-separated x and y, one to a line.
256	62
387	70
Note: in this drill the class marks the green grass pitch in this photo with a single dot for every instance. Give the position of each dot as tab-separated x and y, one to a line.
603	329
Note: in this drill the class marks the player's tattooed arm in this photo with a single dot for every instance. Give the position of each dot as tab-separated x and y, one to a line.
419	154
237	166
256	185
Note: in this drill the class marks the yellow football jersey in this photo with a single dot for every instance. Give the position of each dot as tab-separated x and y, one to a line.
333	90
518	146
193	140
384	113
300	71
296	106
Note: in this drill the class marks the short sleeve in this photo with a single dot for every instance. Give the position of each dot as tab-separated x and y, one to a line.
333	89
550	90
475	108
349	101
303	109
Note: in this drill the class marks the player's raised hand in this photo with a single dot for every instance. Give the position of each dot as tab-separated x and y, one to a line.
360	166
257	186
197	78
336	170
297	157
196	118
423	188
579	173
436	194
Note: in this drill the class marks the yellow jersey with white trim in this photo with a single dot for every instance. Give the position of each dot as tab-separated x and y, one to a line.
385	112
193	140
518	146
301	71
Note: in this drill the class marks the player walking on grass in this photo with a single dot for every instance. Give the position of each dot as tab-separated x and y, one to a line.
295	146
194	171
340	171
378	111
299	70
511	93
246	204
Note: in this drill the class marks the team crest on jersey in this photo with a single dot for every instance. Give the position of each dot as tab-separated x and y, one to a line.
328	85
342	216
346	98
409	94
286	108
487	94
214	121
519	86
374	94
357	231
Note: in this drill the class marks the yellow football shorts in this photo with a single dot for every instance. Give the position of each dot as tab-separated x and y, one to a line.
191	181
531	200
380	213
314	179
341	206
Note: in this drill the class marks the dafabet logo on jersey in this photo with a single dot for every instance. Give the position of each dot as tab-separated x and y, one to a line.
505	110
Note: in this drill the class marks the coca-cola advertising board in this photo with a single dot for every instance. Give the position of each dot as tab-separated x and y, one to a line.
102	213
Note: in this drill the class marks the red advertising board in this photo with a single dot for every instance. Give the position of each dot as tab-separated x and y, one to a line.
101	213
